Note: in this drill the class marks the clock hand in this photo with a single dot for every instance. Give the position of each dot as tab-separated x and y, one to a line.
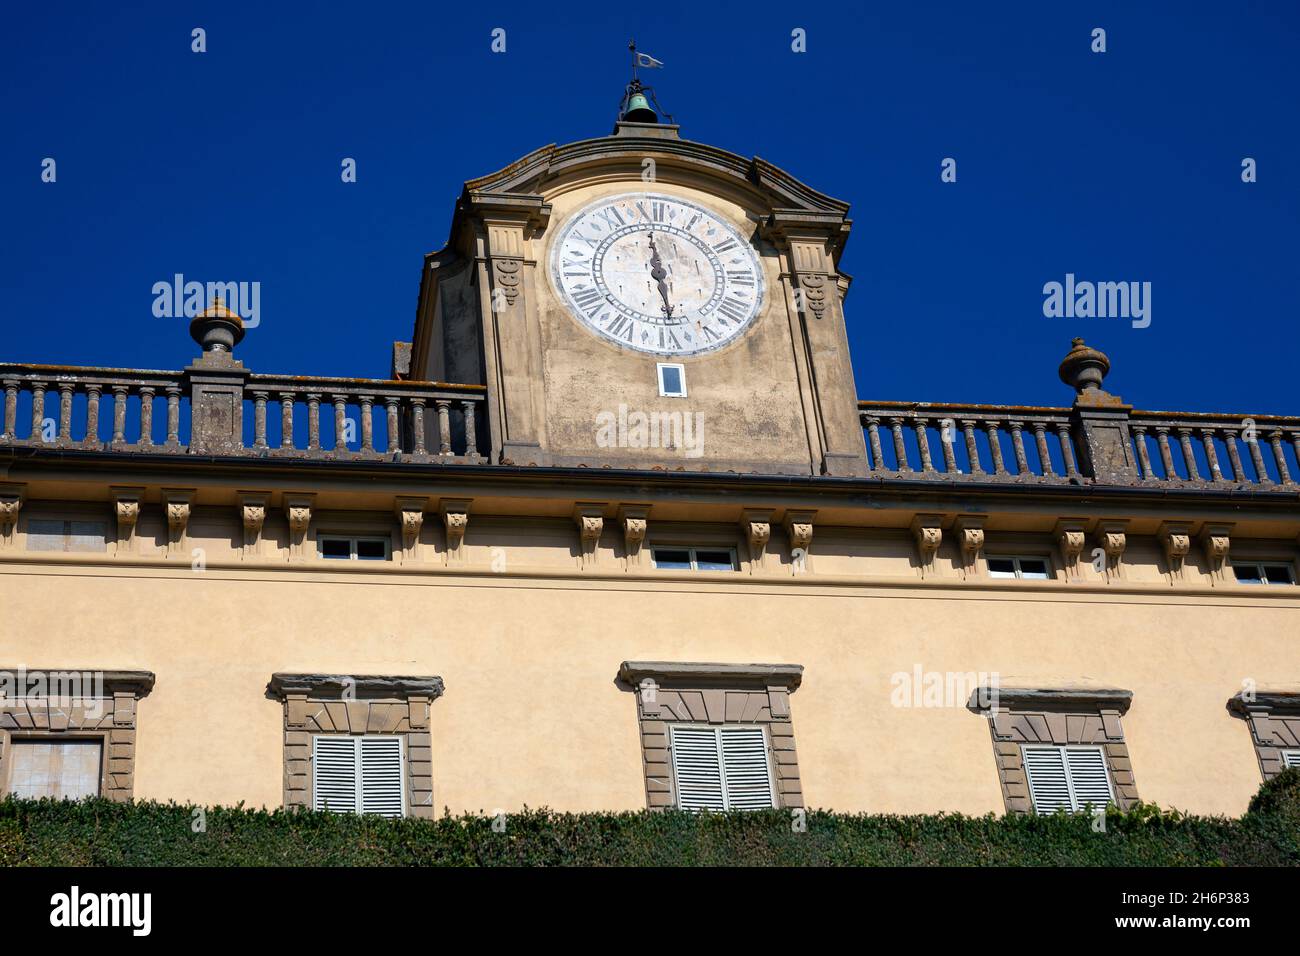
659	275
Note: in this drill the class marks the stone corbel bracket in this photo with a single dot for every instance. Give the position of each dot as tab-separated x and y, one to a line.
970	538
635	522
589	516
1215	541
1071	536
799	531
126	509
177	504
298	509
927	530
756	526
1176	541
252	515
455	520
11	503
410	517
1113	538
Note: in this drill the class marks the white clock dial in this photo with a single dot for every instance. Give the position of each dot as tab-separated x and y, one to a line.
657	274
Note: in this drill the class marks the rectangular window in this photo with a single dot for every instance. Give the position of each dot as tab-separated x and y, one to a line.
59	535
1291	758
694	559
344	548
672	380
1014	567
1067	778
1253	572
358	775
63	769
721	768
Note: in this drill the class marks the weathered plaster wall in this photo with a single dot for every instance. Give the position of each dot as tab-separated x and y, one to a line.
532	714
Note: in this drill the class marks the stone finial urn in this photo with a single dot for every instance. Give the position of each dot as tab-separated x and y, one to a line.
1084	368
216	328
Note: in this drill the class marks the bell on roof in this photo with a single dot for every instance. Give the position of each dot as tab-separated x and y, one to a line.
636	108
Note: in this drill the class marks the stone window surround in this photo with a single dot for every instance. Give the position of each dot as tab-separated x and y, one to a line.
1061	717
713	694
114	726
356	705
1273	718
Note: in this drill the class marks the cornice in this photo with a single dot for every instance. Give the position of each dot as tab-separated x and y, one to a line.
764	675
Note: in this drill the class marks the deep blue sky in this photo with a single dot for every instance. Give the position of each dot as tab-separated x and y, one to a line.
1119	166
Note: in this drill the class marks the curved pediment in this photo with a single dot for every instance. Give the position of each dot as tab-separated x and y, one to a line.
753	181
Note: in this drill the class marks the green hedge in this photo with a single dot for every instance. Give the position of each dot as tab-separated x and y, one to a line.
100	833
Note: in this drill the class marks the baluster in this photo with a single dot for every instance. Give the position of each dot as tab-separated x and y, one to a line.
995	447
38	411
1166	455
92	415
1018	447
11	408
873	434
1144	455
1257	457
1234	454
417	425
923	444
900	450
173	416
1067	450
147	393
65	411
444	426
259	419
947	437
340	423
367	423
286	420
972	449
313	421
1211	455
1189	459
471	429
1040	439
120	393
1279	456
1295	445
394	433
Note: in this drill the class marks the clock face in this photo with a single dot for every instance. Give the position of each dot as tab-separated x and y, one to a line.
657	274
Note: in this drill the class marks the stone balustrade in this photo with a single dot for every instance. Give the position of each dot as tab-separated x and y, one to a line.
1200	450
969	441
1098	440
133	410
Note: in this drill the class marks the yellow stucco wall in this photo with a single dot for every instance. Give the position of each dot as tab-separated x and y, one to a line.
532	714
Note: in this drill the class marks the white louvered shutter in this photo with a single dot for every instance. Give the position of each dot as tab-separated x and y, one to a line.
697	768
747	778
381	776
334	774
1089	779
1291	758
1049	787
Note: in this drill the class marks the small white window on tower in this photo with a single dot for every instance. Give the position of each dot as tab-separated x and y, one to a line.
672	380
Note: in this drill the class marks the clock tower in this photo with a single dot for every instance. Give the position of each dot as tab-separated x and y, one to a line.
643	301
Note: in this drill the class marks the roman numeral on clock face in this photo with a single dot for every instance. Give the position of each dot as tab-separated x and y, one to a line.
622	328
589	300
733	308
